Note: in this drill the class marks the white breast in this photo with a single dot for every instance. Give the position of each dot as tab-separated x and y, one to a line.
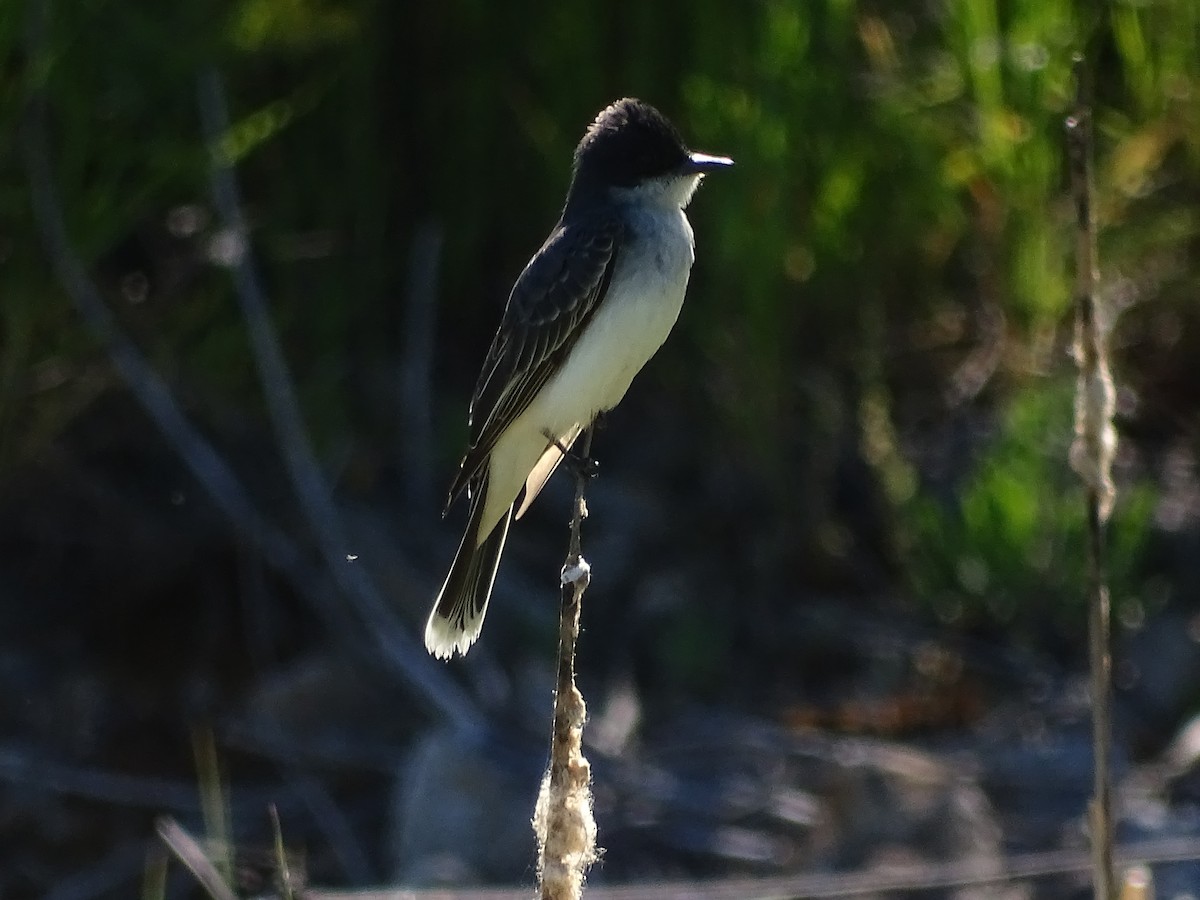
642	305
631	323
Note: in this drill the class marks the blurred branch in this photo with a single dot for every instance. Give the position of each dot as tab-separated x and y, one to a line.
201	459
976	371
147	387
105	877
332	822
283	865
896	879
416	379
325	814
1091	456
29	768
212	473
563	821
386	629
260	735
189	852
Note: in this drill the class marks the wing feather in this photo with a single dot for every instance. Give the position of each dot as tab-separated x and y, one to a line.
547	309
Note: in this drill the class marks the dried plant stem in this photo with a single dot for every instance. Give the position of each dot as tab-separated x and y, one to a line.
563	820
1091	456
189	852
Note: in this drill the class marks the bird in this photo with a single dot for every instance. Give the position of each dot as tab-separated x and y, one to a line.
588	311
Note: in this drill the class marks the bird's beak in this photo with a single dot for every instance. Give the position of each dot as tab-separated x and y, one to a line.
699	163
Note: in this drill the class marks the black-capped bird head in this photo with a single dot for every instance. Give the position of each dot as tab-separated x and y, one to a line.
632	145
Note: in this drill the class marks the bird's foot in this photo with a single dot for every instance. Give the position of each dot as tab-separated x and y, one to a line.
578	465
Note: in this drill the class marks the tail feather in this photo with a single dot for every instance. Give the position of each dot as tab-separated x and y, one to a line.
458	612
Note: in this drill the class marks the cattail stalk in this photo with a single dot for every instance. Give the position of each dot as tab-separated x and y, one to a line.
1091	456
563	821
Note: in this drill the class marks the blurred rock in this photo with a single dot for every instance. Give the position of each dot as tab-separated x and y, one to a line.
1157	672
1160	801
816	802
1039	781
709	794
462	813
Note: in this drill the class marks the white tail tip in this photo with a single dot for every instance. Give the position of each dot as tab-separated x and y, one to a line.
443	639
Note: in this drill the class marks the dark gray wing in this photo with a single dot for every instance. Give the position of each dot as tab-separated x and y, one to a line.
547	309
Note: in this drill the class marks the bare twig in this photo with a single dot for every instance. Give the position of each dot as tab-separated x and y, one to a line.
392	639
565	828
1091	456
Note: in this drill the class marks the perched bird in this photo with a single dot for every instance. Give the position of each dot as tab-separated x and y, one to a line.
589	310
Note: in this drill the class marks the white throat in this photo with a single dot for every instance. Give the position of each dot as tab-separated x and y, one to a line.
667	191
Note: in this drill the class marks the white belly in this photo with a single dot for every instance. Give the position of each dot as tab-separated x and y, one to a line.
632	322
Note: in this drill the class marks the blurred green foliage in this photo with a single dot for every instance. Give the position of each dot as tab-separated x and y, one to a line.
1011	549
893	249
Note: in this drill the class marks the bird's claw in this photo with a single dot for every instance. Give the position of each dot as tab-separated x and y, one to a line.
579	466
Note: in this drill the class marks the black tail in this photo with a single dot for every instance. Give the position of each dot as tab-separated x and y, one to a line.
458	612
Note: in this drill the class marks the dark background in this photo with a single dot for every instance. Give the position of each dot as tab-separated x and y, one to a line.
835	506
